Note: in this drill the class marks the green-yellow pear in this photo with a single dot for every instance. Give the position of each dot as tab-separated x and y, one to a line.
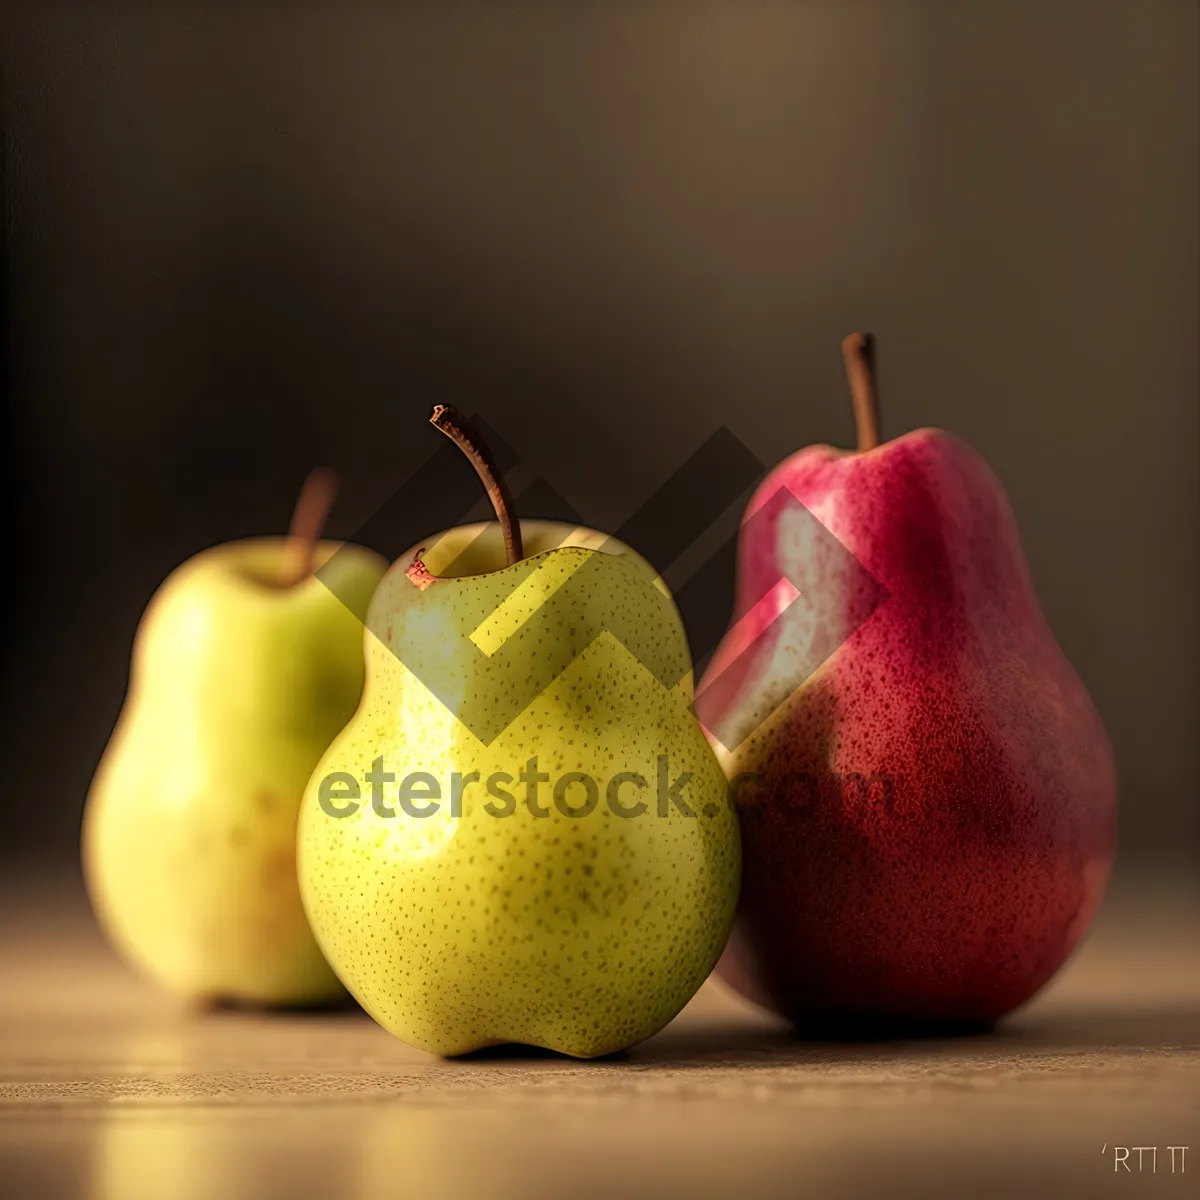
244	668
522	836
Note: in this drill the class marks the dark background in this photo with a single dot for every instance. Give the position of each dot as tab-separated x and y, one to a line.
242	240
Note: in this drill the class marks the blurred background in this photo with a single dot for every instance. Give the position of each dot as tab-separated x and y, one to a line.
243	240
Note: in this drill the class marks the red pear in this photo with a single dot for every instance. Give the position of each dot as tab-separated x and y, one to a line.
927	795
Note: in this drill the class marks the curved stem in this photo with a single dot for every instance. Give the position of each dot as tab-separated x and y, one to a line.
858	353
308	522
454	425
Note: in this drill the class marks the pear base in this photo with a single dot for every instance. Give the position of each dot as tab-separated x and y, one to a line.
522	1051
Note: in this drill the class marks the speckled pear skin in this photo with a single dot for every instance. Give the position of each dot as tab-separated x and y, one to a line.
189	833
950	889
580	934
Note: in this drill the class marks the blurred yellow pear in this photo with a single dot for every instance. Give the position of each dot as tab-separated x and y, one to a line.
240	679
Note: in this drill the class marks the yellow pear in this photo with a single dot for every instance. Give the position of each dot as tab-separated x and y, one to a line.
523	835
244	668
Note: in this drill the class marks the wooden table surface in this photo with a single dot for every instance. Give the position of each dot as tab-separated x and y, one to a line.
111	1091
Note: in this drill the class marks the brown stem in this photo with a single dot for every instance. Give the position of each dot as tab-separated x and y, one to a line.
858	353
308	521
456	427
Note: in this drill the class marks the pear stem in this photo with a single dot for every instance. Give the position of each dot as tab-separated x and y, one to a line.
455	426
308	522
858	353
